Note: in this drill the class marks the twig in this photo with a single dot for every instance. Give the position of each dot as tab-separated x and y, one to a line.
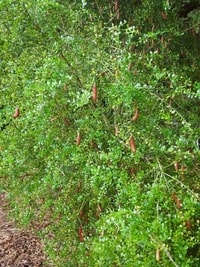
170	257
192	27
69	65
163	247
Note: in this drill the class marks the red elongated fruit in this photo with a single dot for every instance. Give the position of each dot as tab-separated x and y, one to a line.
164	15
157	254
80	234
116	130
118	15
16	114
132	171
67	122
188	224
176	166
176	201
78	139
98	210
116	3
136	115
132	144
94	93
93	144
130	65
81	213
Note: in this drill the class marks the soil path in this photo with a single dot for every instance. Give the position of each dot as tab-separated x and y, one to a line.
17	248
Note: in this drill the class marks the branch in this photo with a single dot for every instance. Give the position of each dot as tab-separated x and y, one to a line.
69	65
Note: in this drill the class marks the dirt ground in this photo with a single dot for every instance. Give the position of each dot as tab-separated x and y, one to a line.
18	248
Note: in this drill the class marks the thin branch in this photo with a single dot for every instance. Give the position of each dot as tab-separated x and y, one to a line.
32	20
170	257
192	27
170	108
163	247
69	65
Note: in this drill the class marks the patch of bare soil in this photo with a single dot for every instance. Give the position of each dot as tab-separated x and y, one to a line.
18	248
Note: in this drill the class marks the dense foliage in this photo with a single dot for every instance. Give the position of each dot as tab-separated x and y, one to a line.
100	128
